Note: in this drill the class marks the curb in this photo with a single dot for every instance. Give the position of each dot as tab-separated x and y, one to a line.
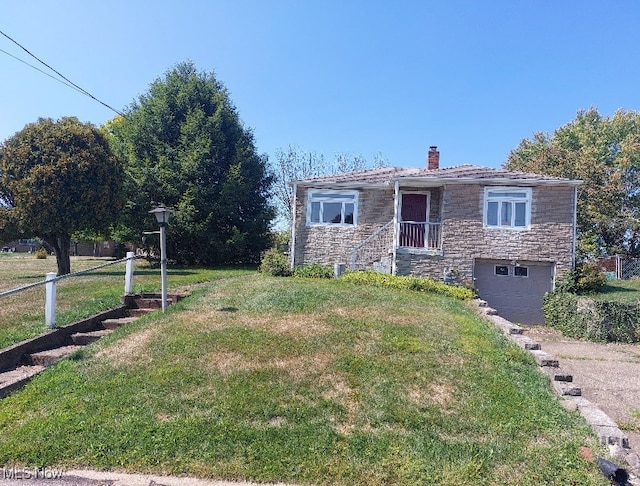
569	392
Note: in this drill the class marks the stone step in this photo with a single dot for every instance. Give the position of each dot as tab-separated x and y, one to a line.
16	378
112	324
140	312
84	338
46	358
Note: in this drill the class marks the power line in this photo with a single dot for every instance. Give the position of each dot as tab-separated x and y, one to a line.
70	84
38	69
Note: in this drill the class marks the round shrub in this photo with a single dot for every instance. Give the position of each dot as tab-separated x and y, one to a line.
275	263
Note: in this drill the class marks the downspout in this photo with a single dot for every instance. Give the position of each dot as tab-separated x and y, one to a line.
396	192
292	243
575	226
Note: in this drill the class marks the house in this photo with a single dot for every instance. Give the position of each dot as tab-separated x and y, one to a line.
511	234
76	248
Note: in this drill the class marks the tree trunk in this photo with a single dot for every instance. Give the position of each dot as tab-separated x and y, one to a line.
61	244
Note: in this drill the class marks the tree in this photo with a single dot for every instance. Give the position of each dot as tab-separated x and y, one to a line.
184	147
294	164
605	154
58	178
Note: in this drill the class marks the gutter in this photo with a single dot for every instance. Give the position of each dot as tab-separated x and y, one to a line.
292	243
396	202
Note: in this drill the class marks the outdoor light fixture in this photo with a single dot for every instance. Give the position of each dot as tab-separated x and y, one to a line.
162	216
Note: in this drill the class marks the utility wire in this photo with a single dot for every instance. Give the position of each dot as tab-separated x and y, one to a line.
38	69
71	83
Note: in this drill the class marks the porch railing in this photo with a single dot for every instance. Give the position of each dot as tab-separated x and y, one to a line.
416	234
374	248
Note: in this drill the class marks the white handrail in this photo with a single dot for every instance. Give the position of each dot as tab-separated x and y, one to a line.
52	278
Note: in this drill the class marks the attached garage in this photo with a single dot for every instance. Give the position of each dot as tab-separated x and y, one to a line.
514	288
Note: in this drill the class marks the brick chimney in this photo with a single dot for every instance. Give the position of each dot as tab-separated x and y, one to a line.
433	158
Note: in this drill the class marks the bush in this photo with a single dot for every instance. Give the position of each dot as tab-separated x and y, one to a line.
313	271
584	318
410	283
41	254
275	263
589	278
586	278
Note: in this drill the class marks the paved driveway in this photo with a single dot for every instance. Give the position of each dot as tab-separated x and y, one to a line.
608	374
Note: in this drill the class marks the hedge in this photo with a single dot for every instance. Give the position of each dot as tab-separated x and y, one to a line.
590	319
419	284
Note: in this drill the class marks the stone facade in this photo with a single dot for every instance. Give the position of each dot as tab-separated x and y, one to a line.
464	238
328	245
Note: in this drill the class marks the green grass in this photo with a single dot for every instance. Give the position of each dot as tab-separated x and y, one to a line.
303	381
620	291
22	315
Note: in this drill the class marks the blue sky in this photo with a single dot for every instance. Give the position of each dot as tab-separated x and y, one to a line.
338	76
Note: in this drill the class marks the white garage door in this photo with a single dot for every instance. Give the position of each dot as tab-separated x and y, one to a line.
514	290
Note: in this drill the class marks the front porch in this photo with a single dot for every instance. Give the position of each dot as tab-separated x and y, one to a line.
415	229
378	250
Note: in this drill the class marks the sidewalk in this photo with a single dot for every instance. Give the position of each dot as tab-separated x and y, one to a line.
98	478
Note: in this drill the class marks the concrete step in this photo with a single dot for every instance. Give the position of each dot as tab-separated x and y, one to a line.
84	338
46	358
148	303
151	303
112	324
140	312
16	378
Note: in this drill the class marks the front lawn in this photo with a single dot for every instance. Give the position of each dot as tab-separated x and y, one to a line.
303	381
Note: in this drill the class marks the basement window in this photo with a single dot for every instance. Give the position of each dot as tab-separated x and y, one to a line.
502	270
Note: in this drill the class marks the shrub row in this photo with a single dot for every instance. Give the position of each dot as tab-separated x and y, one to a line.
276	263
584	318
410	283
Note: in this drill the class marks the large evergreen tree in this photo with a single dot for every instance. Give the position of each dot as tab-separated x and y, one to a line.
605	154
58	178
184	147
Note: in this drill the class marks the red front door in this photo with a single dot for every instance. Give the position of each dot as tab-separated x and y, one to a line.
413	216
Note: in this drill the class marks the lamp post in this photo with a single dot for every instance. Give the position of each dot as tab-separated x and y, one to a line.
162	216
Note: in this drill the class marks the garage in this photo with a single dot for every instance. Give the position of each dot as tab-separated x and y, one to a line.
514	288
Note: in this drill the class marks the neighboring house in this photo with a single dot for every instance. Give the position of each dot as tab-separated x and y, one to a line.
509	233
77	247
23	245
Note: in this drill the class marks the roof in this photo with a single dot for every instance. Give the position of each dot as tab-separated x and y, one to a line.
462	174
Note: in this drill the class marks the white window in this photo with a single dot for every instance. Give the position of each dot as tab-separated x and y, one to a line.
507	207
327	207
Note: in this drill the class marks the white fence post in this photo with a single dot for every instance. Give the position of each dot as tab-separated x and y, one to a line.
50	300
128	277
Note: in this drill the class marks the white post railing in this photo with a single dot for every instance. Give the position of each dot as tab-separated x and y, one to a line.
128	276
50	300
50	286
